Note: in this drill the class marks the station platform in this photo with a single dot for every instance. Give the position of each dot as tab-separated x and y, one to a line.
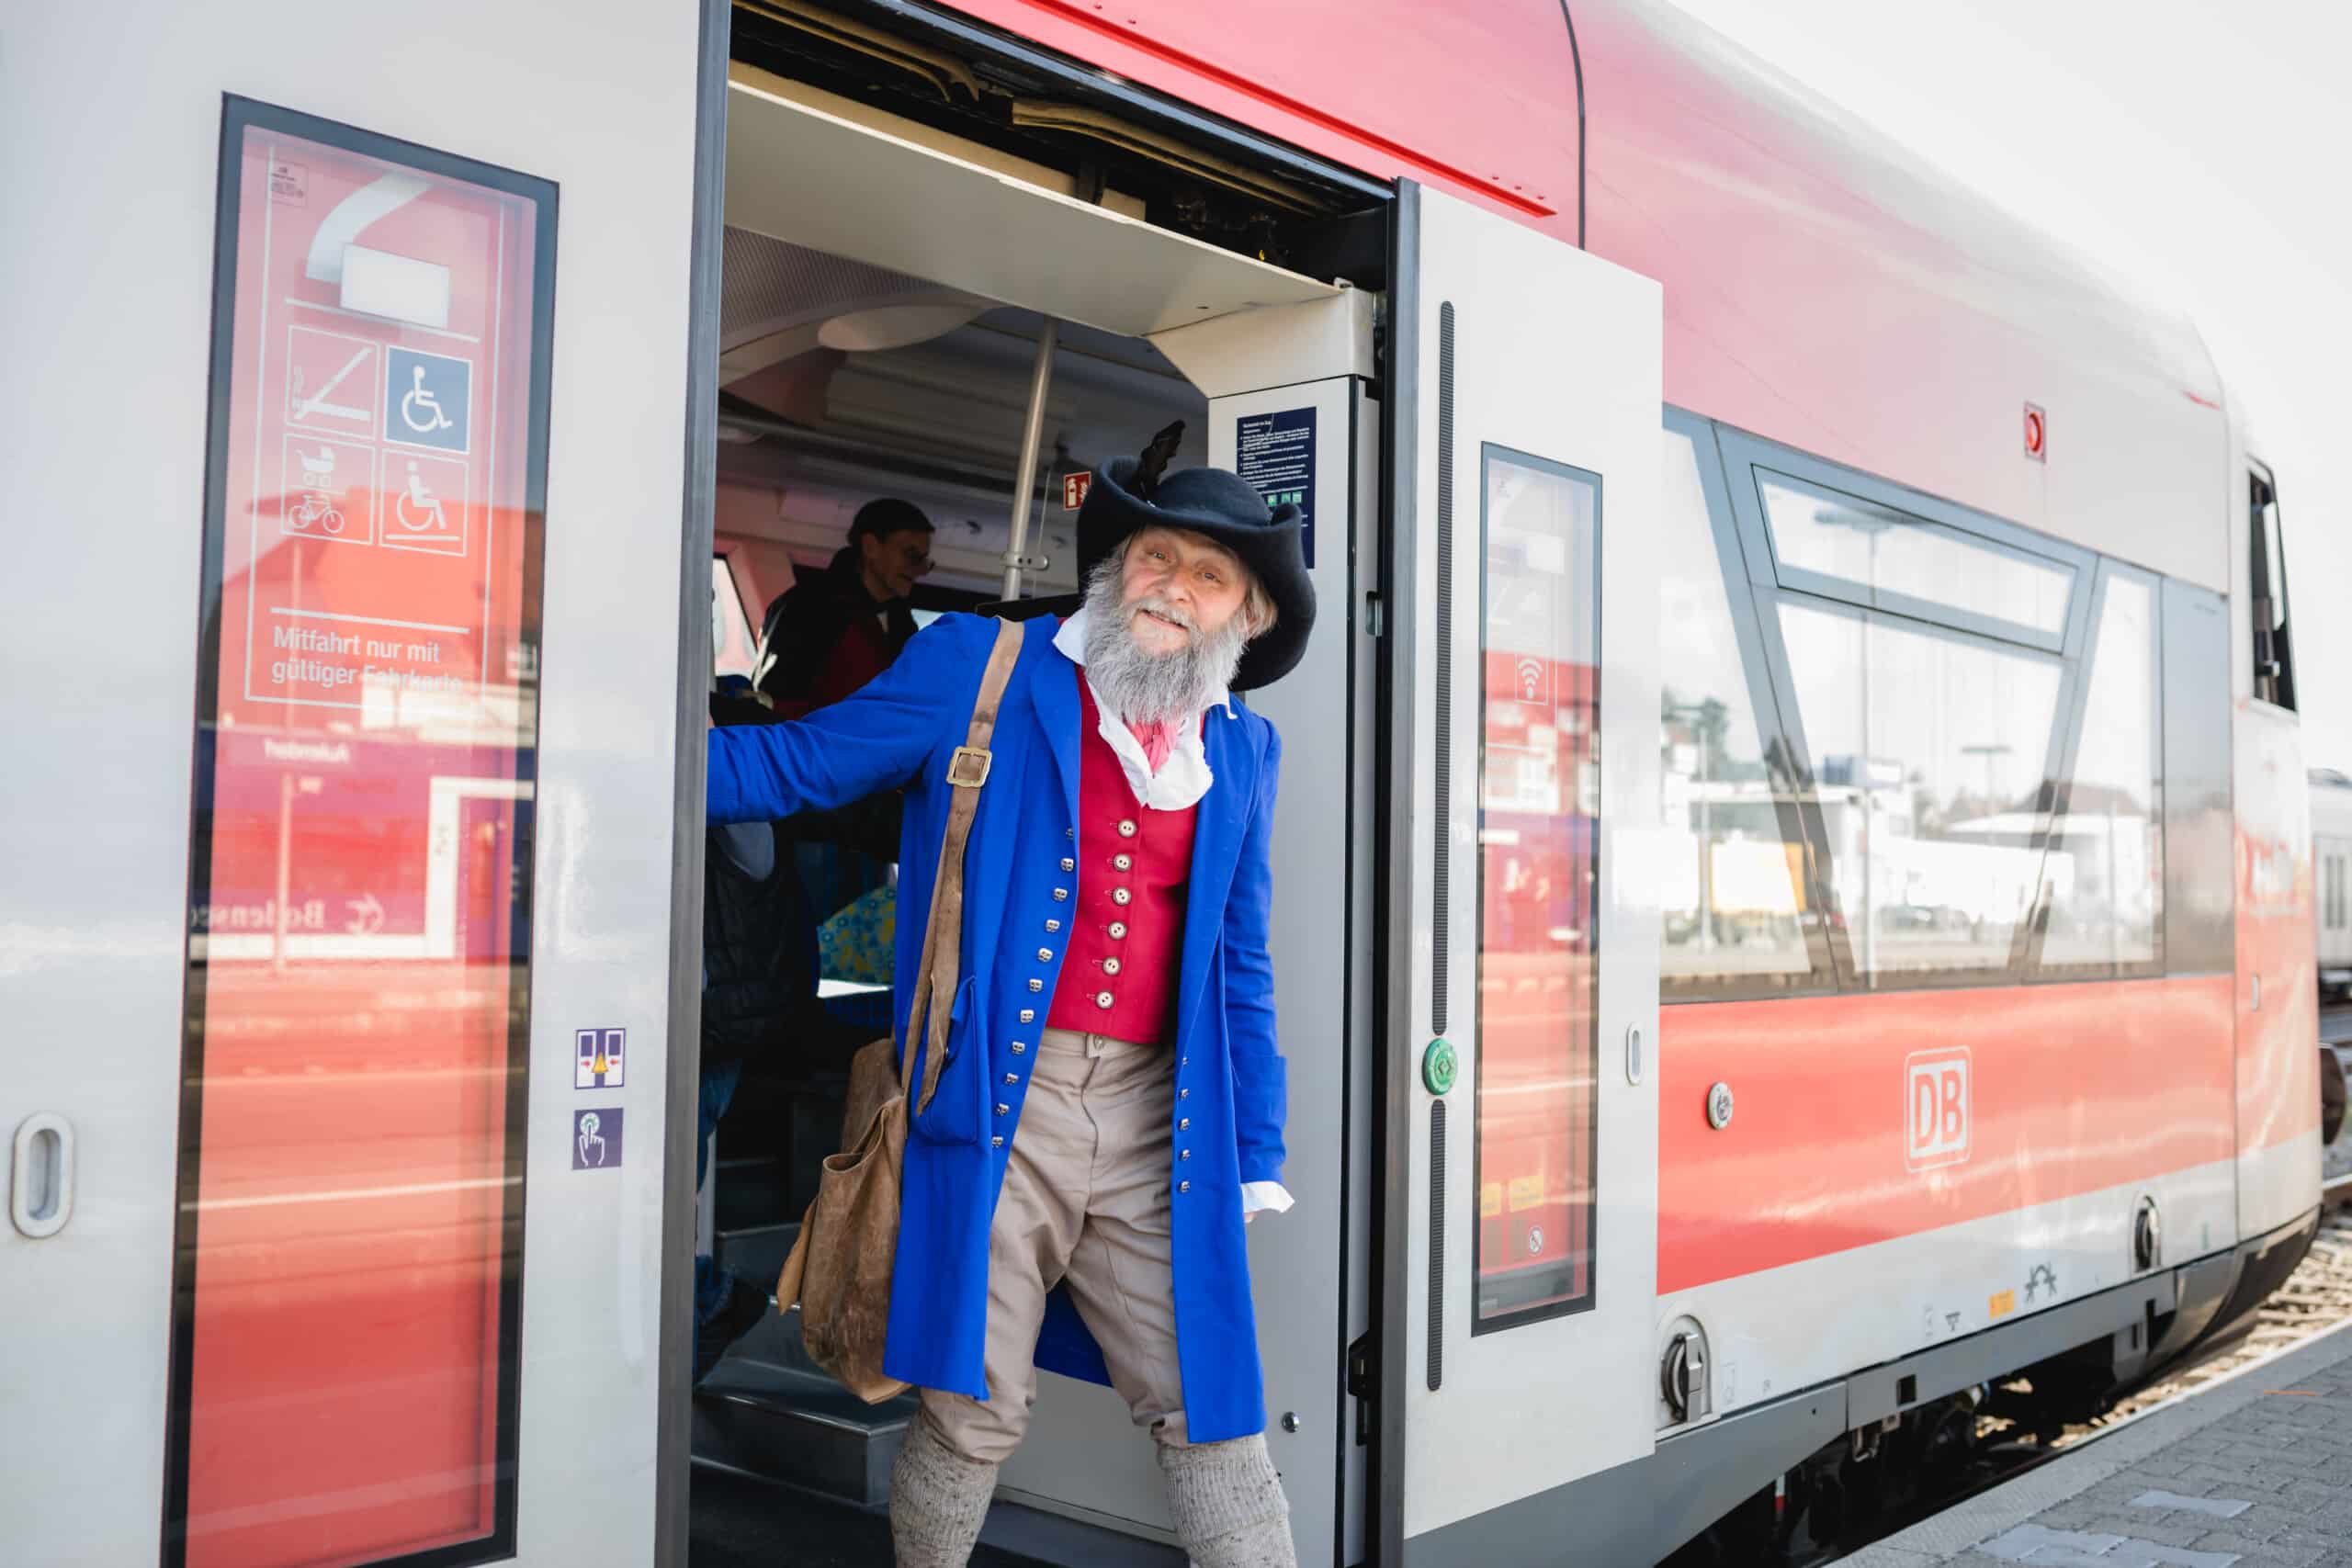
2254	1471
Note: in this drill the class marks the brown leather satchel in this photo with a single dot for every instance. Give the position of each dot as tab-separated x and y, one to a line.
839	1271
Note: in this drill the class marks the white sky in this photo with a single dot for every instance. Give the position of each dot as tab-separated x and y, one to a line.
2196	145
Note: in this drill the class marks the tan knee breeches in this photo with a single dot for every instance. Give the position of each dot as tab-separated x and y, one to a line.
1085	1204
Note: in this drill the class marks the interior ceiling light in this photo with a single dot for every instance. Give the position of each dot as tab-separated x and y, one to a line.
895	327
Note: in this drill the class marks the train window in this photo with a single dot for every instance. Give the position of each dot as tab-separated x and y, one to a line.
1827	542
1539	797
1733	860
1929	750
2102	890
2274	662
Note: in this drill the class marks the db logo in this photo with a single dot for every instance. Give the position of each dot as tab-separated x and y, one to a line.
1938	1108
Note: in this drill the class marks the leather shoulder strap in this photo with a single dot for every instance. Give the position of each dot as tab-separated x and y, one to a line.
943	936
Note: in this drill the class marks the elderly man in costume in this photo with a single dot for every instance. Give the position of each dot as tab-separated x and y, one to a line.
1110	1113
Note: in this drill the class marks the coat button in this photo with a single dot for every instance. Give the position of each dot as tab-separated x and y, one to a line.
1128	828
1183	1187
1184	1154
1070	832
1124	862
1028	1015
1045	956
1052	925
1110	966
1069	864
1012	1078
1120	896
1102	999
1061	895
996	1142
1118	930
1036	985
1002	1108
1019	1047
1183	1094
1185	1126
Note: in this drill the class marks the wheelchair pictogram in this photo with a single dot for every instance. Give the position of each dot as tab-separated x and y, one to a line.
427	398
430	505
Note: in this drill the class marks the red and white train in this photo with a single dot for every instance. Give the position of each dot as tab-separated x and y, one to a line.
1796	891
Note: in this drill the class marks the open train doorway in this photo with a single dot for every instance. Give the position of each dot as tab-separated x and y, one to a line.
920	319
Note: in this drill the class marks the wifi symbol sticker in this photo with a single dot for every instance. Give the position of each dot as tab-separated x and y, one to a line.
1531	678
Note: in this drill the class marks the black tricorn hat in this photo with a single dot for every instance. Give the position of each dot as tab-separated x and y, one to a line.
1218	505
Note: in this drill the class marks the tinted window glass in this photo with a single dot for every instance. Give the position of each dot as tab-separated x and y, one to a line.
2103	878
1538	799
1733	881
1929	751
1881	552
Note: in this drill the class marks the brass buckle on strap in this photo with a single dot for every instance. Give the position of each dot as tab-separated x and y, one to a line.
969	769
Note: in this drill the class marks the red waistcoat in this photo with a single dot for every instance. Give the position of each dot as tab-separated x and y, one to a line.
1126	935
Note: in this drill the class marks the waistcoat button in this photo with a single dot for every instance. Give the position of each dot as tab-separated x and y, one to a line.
1110	966
1124	862
1102	999
1118	930
1127	830
1121	896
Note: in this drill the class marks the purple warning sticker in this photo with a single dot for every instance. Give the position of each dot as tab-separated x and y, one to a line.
597	1138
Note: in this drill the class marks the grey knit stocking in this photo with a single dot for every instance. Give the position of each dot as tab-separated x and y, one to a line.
938	1499
1229	1503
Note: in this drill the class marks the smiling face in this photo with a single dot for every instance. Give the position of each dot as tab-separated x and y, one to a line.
1180	589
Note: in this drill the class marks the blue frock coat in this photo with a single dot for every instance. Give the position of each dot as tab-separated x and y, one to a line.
900	730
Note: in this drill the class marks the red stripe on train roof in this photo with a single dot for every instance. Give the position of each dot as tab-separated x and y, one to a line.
2072	1088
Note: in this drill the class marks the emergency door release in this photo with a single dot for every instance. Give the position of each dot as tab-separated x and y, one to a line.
40	1176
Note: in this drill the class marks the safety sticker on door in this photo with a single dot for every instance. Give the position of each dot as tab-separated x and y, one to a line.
602	1061
597	1138
426	399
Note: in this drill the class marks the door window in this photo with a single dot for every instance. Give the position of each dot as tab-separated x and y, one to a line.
1539	806
350	1202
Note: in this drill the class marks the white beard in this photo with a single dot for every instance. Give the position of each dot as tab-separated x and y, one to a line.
1147	688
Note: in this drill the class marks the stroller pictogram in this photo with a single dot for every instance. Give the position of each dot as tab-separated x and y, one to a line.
316	507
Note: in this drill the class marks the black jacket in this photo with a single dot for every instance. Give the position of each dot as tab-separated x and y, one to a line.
759	951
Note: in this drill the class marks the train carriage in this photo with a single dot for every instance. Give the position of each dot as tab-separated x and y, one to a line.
1796	888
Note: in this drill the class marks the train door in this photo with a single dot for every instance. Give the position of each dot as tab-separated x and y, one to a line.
339	1174
1519	1351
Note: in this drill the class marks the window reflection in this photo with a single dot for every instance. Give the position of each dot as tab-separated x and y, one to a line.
1928	752
1734	873
2103	879
1879	550
1539	808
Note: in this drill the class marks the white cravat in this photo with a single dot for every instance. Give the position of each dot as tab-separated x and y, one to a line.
1181	782
1185	777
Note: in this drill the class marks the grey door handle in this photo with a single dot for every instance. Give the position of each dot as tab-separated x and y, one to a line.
41	1175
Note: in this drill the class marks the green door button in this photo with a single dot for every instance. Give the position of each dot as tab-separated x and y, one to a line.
1439	1065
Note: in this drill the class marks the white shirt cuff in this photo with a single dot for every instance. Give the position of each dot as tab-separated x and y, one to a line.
1257	1195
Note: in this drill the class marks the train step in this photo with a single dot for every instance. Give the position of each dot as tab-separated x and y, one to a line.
767	1411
